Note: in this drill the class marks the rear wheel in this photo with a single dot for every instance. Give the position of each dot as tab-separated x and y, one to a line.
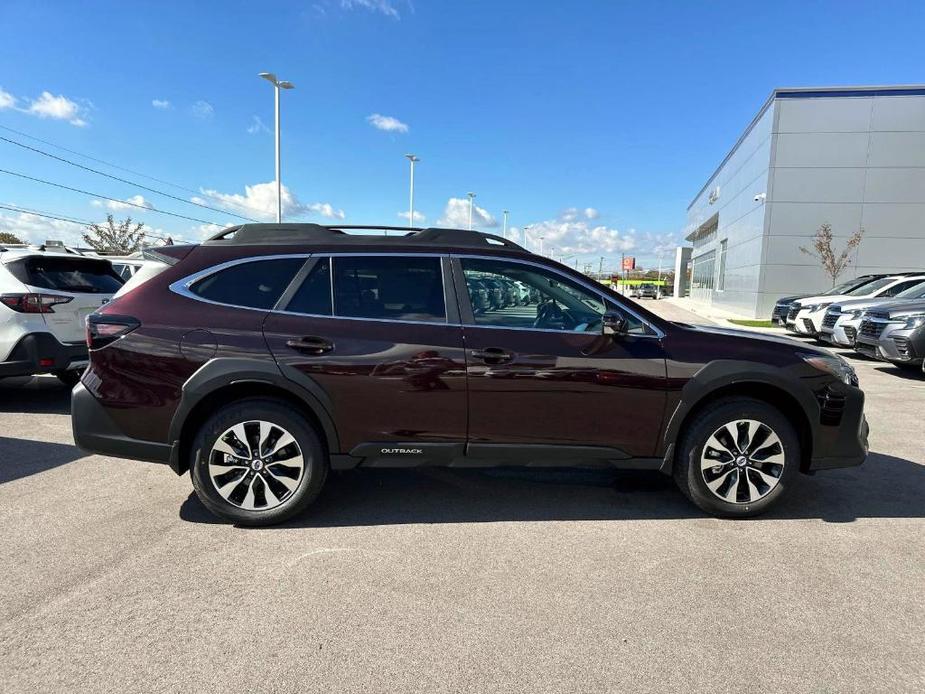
737	458
257	462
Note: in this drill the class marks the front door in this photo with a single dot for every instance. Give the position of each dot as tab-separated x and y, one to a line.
541	374
372	332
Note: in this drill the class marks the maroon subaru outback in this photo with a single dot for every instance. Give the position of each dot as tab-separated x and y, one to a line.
272	353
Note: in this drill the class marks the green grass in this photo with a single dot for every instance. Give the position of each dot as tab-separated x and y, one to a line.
755	323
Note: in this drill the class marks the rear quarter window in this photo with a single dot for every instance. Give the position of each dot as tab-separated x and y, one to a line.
75	275
254	284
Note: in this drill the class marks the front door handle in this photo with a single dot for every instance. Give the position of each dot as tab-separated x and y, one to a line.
493	355
310	345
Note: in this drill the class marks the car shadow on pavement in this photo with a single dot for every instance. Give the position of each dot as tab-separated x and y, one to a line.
24	457
913	374
884	487
45	395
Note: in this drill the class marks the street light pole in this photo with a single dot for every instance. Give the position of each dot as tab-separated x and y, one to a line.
277	85
411	158
505	212
471	198
541	243
527	228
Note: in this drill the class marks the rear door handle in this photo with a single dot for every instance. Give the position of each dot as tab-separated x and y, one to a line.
493	355
310	345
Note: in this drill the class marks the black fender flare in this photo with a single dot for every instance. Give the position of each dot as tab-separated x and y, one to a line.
221	372
723	373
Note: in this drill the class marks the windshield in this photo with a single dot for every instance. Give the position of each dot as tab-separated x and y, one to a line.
871	287
916	291
846	287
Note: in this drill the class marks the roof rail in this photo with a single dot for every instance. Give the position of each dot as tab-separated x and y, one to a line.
299	233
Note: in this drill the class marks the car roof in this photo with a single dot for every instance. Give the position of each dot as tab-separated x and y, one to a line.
334	236
8	253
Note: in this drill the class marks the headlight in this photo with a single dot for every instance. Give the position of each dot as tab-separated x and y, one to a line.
914	320
812	308
857	313
832	364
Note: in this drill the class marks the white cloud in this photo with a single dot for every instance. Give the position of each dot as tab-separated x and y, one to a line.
130	203
162	104
202	109
257	126
259	200
571	234
58	108
326	210
418	217
387	123
7	100
382	6
456	215
34	229
571	214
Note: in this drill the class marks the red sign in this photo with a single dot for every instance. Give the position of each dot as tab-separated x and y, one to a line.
629	263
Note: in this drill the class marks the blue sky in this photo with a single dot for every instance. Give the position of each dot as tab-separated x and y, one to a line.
595	121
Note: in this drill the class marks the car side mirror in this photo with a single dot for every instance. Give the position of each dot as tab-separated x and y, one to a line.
613	323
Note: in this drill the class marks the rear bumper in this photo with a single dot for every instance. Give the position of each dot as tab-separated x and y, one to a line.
37	353
96	432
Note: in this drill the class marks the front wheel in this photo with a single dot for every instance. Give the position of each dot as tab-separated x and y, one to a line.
737	458
257	462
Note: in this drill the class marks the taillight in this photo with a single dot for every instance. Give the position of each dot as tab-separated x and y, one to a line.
33	303
103	330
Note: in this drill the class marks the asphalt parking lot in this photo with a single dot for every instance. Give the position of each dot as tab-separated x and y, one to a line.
116	579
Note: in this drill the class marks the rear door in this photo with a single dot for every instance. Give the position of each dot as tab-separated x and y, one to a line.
378	336
90	282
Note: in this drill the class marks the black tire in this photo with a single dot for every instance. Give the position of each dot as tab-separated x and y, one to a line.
69	378
282	415
687	468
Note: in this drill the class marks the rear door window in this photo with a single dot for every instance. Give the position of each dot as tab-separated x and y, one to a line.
389	287
76	275
314	294
255	284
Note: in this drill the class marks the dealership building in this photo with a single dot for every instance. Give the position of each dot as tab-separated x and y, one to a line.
850	157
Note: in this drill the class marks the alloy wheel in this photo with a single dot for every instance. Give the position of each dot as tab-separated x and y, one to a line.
742	461
256	465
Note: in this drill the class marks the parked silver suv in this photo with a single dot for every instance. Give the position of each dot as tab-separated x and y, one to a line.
893	332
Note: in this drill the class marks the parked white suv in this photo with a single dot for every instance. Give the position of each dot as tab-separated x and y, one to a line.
806	315
45	298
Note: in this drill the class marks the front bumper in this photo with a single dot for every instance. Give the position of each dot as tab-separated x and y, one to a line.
843	333
38	353
96	432
807	323
895	344
844	444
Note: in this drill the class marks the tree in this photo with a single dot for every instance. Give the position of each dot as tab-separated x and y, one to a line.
7	237
116	238
832	262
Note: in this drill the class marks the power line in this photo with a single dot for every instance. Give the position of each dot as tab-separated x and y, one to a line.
123	180
36	213
106	197
114	166
98	161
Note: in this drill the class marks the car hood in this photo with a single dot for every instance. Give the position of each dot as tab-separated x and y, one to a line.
754	335
901	308
830	299
873	302
788	299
